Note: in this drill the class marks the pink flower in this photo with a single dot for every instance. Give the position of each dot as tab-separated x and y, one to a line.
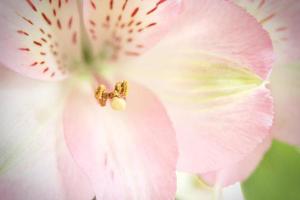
280	19
206	108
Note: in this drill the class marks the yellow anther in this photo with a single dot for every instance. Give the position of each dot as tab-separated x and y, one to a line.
116	97
101	95
125	88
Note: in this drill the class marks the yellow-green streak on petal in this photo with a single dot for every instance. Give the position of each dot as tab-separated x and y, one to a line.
205	81
189	81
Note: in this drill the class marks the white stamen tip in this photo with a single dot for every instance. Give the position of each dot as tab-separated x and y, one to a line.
118	104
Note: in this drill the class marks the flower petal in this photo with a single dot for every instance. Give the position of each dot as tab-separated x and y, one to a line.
210	78
27	122
238	171
126	28
223	133
39	38
126	155
38	176
281	19
27	108
285	90
220	112
28	138
222	30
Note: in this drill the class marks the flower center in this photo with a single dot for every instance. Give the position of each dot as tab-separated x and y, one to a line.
117	97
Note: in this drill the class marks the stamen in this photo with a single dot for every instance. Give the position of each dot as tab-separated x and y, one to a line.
117	97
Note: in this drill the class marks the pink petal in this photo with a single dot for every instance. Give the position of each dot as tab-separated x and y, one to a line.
285	89
126	28
29	112
27	162
35	178
207	75
281	19
223	133
219	29
27	109
126	155
38	177
238	171
221	114
39	39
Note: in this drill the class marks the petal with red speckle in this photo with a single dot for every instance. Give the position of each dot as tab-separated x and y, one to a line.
126	28
281	19
39	39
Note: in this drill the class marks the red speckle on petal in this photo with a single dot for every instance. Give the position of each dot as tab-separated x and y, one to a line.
23	32
59	3
152	24
111	4
44	40
24	49
34	64
42	31
31	5
130	23
135	12
124	5
156	7
74	38
28	20
46	19
46	69
37	43
70	22
93	4
93	23
54	12
59	24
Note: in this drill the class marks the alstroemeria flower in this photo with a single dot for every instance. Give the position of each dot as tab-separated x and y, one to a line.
207	65
281	19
